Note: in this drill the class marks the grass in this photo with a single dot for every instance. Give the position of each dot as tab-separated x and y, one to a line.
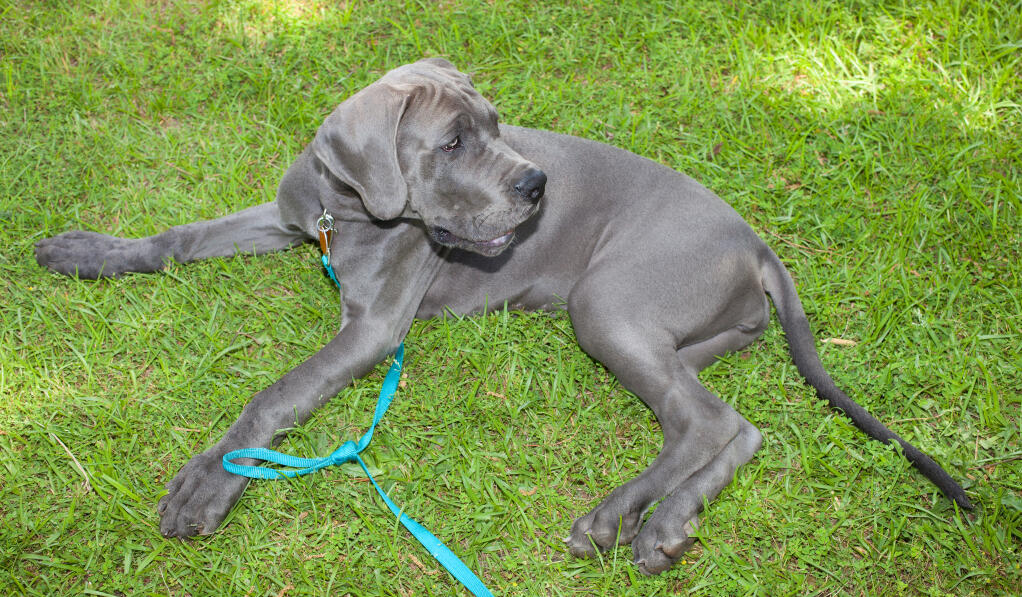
873	144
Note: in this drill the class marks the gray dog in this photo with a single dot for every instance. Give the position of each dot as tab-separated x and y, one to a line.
438	207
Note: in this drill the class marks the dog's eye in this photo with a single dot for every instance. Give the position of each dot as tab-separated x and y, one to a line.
454	144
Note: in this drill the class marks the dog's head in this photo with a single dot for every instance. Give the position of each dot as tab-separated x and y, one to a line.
422	143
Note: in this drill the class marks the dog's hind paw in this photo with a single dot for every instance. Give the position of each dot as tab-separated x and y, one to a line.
199	497
662	542
605	526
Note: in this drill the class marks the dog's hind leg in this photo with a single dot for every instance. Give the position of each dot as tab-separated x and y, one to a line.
705	440
93	255
667	534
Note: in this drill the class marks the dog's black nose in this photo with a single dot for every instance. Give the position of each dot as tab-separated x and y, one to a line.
532	186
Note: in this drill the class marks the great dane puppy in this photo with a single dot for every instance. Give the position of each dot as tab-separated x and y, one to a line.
439	207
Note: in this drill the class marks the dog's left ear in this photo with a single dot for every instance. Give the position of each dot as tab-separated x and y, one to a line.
358	144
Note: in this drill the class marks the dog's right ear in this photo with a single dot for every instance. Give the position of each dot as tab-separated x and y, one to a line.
358	144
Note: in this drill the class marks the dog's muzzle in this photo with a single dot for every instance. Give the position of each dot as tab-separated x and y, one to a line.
529	189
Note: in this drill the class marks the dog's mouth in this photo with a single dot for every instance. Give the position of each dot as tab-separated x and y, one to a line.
489	248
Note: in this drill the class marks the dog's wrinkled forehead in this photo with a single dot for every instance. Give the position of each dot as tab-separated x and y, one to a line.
436	69
440	90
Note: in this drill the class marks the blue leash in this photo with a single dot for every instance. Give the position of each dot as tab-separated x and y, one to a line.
349	452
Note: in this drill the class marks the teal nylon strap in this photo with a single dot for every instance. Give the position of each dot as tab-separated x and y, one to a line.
326	265
349	452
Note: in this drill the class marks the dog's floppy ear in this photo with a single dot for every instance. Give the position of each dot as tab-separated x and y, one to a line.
358	144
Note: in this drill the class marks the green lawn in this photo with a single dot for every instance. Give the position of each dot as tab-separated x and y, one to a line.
875	145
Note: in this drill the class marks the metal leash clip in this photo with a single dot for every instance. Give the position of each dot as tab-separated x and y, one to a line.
325	227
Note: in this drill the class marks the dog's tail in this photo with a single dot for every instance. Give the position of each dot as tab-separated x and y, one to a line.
792	316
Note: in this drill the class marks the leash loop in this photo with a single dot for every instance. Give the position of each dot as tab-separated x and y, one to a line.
346	453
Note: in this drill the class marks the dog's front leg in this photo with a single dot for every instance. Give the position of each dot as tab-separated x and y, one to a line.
92	255
384	272
202	492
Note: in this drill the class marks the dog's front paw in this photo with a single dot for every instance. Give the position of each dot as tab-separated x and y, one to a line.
662	542
199	497
614	521
92	255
